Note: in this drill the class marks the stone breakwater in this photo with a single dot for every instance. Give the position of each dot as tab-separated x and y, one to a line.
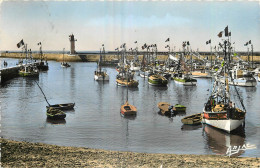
25	154
95	57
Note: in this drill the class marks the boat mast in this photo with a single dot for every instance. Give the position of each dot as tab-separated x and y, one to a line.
127	87
63	54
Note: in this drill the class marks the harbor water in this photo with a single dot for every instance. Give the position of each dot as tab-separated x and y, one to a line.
96	122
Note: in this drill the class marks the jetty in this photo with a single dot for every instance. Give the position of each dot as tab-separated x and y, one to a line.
12	72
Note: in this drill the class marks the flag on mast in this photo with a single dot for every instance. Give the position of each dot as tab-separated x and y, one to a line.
21	43
226	31
168	39
220	34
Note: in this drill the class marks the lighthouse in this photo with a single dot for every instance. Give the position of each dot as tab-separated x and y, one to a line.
72	44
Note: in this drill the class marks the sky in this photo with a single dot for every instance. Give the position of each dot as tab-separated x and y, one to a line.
113	23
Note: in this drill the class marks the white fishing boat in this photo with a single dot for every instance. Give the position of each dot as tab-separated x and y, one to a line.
101	75
134	66
184	79
220	111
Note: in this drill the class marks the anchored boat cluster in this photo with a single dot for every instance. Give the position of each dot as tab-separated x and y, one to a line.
223	65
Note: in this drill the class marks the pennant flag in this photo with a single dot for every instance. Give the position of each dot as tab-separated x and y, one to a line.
215	47
207	42
220	34
102	44
234	43
168	39
188	43
21	43
246	44
226	31
39	43
145	45
155	45
210	41
249	42
222	64
229	34
135	41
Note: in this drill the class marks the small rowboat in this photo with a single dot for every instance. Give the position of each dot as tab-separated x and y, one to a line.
53	113
192	119
164	107
179	107
66	106
128	109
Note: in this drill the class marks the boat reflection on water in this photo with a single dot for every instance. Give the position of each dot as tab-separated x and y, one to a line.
190	127
130	117
219	141
56	122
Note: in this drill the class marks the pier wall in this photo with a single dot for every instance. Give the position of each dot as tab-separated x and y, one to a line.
95	57
8	73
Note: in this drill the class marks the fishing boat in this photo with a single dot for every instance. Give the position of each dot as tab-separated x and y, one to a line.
65	106
43	66
134	66
166	108
192	119
184	79
180	107
100	74
64	64
53	113
125	78
128	109
28	71
201	74
220	111
244	81
120	81
157	80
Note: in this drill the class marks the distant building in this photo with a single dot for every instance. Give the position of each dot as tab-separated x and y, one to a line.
72	44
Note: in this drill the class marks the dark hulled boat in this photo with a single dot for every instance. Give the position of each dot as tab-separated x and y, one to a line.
53	113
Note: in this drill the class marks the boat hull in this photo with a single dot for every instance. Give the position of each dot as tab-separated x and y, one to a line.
242	82
224	124
29	74
101	78
56	117
135	68
68	106
128	110
185	83
132	83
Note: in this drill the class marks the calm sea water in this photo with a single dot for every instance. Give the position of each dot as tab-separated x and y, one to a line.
96	121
